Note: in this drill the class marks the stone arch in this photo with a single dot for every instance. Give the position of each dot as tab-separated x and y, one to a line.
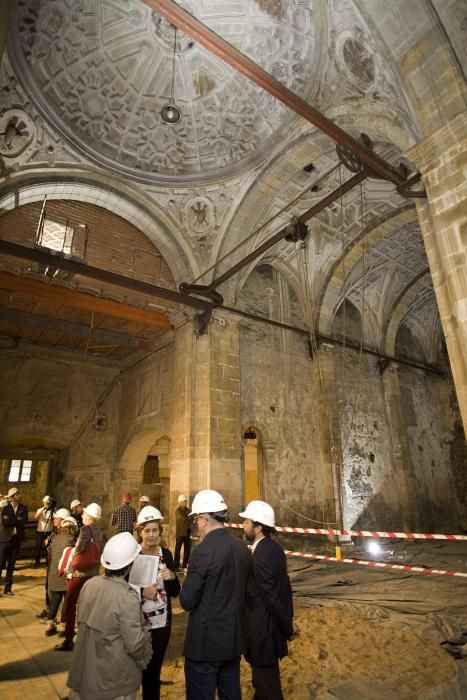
114	196
135	452
399	313
332	288
308	145
267	459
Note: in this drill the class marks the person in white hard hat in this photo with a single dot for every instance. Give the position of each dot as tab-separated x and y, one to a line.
113	644
57	584
269	603
214	593
182	532
90	532
143	502
44	517
76	510
14	517
156	597
57	518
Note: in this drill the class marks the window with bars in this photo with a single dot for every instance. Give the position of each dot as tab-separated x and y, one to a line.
20	470
57	235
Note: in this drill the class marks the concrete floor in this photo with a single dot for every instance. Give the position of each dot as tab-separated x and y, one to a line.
29	665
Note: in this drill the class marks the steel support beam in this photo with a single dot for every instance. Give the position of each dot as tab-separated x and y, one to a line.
159	292
79	268
376	166
302	219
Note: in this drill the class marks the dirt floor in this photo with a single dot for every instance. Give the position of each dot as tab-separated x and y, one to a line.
384	630
335	647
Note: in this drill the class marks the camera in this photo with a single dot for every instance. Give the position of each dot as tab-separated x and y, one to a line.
52	504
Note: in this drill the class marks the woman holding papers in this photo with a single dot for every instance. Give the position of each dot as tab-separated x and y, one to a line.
154	567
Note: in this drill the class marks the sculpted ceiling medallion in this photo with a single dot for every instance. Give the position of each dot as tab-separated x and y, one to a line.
100	71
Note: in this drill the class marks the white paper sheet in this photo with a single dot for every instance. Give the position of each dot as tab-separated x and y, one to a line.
144	570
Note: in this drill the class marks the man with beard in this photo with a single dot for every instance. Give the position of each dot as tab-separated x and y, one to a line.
269	602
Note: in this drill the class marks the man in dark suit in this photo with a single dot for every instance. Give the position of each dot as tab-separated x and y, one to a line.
214	593
14	516
269	602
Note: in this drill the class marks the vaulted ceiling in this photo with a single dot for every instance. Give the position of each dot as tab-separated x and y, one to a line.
82	85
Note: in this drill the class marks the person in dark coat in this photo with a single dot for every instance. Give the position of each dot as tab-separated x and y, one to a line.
269	602
14	517
214	593
182	532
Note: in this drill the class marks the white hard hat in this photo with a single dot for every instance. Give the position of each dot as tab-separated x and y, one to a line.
182	498
145	499
208	501
120	551
94	511
46	499
12	492
70	520
149	513
75	503
259	512
62	513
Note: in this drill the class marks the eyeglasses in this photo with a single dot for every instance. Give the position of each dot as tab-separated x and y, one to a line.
197	517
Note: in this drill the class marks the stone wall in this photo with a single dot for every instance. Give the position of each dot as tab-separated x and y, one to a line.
48	402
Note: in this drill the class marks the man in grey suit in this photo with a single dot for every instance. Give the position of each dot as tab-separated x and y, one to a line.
214	593
269	602
13	518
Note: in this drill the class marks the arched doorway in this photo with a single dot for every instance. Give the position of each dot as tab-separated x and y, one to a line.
252	465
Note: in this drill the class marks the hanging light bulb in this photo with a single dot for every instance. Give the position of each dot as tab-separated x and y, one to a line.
170	113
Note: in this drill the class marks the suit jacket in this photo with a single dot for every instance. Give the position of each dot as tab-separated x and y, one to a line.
11	520
269	605
214	592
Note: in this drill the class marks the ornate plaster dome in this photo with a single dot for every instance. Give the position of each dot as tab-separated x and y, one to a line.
100	71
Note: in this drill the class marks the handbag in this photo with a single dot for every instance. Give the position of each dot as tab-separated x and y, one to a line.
89	558
65	560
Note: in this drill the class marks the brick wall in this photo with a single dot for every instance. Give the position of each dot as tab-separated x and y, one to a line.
113	243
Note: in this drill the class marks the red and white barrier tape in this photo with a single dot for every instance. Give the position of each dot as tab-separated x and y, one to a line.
377	564
362	533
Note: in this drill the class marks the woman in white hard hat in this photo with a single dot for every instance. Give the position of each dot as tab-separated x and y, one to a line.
89	533
113	644
155	598
57	518
57	584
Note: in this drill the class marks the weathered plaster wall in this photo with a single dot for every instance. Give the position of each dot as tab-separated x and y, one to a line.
370	491
432	414
279	398
47	402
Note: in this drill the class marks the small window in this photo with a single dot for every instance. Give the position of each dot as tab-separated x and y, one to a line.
57	235
20	470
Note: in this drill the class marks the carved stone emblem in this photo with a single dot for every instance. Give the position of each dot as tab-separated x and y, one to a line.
358	61
17	132
199	215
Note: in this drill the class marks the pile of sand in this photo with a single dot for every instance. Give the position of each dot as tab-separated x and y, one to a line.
337	647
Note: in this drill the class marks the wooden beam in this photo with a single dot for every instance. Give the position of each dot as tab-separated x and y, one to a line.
79	300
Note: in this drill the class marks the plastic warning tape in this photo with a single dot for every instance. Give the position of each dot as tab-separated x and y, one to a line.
377	564
363	533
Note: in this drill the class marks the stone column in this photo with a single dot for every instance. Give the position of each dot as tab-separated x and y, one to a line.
205	425
441	159
404	484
